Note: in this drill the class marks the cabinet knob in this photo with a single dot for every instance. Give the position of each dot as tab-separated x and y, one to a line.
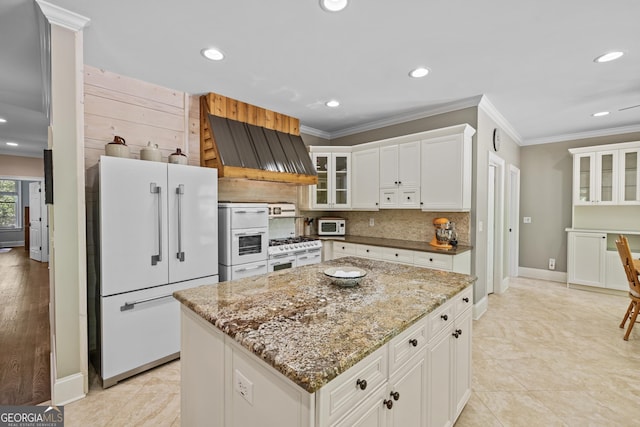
376	203
413	342
343	248
388	403
396	254
459	331
422	203
400	182
395	182
362	384
444	317
456	334
388	198
430	259
408	198
395	395
465	299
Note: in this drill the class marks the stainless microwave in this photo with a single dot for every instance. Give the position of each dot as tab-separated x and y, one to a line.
331	226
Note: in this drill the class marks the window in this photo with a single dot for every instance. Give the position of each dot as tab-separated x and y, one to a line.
10	204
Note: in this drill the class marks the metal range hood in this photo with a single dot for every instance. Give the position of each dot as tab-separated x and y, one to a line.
252	147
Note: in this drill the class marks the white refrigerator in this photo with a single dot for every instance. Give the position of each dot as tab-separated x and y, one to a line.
155	232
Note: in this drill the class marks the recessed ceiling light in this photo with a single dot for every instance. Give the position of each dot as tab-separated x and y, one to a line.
419	72
332	104
12	144
3	120
333	5
608	57
600	114
213	54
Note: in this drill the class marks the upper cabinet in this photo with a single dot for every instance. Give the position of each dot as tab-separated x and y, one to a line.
400	175
606	175
365	177
446	171
333	190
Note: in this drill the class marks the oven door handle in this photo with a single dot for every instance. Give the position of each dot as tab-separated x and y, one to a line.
257	211
255	267
248	234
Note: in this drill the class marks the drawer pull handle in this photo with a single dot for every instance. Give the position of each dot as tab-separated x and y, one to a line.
459	331
465	299
362	384
413	342
388	403
444	317
456	334
395	395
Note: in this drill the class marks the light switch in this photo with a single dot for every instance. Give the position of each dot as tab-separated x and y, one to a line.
526	220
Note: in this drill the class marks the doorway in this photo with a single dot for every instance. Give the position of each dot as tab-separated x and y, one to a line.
38	223
495	224
514	215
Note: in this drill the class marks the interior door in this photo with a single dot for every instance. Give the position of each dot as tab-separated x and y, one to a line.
491	188
193	222
35	221
133	225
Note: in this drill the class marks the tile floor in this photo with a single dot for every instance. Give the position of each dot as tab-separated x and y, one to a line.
543	355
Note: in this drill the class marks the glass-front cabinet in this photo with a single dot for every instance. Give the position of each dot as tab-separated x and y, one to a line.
629	192
334	181
595	178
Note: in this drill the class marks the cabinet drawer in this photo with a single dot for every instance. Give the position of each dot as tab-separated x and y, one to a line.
442	317
409	198
408	344
397	255
349	389
435	261
371	252
341	249
388	198
463	301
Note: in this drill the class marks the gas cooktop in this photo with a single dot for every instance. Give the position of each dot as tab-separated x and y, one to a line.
290	240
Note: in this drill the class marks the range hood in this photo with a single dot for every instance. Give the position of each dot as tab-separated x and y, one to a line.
241	149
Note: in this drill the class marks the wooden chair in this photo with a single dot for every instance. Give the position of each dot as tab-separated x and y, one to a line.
631	267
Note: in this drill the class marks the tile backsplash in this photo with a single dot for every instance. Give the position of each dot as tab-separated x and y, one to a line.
404	224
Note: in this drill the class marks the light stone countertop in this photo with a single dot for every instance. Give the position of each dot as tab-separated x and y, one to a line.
311	330
397	244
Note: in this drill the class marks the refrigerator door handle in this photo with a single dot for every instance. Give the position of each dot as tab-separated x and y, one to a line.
131	305
157	189
179	193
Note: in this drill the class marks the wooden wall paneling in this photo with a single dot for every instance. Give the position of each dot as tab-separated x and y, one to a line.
134	113
294	126
132	99
104	128
241	107
270	121
127	85
242	190
219	106
232	109
252	114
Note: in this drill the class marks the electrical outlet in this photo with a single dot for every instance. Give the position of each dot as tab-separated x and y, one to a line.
371	222
552	263
244	387
526	220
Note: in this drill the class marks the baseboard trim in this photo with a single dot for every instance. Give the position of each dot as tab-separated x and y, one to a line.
536	273
597	289
12	244
480	308
68	389
504	285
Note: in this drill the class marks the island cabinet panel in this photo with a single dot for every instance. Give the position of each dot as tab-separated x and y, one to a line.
440	380
369	414
408	393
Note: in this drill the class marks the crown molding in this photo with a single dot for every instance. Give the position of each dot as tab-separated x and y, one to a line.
63	17
487	106
582	135
315	132
407	117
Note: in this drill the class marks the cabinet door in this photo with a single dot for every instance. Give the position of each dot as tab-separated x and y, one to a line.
583	179
365	179
446	174
409	164
629	174
439	397
341	180
133	225
389	166
370	413
321	192
586	258
410	384
462	362
607	177
193	222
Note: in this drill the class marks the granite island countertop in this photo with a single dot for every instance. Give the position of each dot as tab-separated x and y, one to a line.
311	330
396	244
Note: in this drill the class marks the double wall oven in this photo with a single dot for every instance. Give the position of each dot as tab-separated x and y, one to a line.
244	239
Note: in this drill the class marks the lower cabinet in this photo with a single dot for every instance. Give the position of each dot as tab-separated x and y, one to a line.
422	377
460	263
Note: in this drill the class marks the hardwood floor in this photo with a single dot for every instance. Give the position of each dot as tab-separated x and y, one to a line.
24	329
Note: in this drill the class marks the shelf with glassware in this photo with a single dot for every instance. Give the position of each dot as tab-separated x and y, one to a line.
333	190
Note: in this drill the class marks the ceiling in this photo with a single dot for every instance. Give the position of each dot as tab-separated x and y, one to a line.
532	60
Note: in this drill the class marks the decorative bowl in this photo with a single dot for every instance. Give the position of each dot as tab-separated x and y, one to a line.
345	276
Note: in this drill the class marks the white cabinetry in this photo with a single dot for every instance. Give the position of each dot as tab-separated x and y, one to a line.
446	171
459	263
595	178
333	190
450	361
586	261
365	178
629	183
400	175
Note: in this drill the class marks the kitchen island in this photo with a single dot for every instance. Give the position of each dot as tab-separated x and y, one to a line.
291	348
